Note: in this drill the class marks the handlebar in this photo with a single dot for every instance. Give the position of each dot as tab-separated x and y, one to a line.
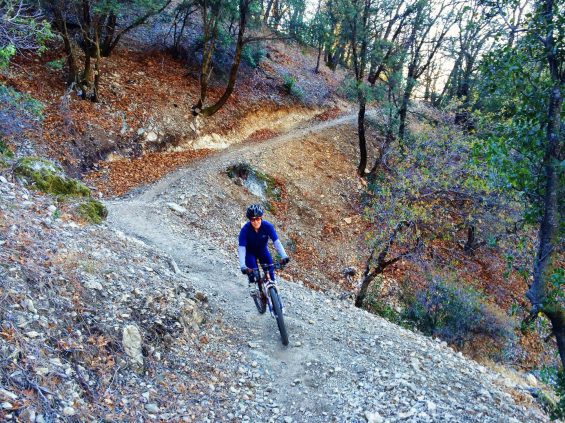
276	266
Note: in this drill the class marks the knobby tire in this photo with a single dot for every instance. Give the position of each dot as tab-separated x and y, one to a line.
277	309
260	301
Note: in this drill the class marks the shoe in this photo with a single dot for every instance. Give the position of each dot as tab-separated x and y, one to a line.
252	289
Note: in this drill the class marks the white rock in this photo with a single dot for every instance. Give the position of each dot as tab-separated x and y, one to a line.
93	284
52	209
131	339
32	334
3	180
8	394
373	417
152	408
6	406
29	305
175	207
532	381
151	136
69	411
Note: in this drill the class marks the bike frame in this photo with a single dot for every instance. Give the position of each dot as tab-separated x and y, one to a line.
264	282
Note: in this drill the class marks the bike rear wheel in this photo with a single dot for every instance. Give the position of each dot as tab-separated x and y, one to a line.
277	310
260	301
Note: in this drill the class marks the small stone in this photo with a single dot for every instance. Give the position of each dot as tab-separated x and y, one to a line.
531	379
27	415
93	284
8	394
69	411
287	419
200	296
151	136
373	417
6	405
29	305
176	208
431	406
3	180
485	393
347	220
32	334
152	407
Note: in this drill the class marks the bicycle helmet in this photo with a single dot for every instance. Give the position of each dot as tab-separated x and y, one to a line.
254	210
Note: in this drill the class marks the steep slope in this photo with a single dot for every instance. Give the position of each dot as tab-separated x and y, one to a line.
343	364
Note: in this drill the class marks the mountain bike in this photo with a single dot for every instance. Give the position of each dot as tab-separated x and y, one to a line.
267	295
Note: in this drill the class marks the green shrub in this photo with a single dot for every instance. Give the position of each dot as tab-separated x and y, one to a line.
559	410
555	378
289	82
49	178
6	54
456	314
56	64
253	54
291	88
92	211
5	152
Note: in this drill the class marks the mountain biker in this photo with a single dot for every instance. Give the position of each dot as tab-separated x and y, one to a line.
253	239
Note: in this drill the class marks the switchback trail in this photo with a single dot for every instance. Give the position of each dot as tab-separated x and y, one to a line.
342	364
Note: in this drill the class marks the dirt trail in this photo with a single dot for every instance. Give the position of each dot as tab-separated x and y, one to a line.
342	364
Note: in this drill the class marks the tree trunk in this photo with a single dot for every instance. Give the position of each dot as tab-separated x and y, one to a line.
97	72
317	70
367	279
243	15
403	112
362	141
548	236
382	262
471	240
106	47
72	61
210	24
557	319
380	161
268	12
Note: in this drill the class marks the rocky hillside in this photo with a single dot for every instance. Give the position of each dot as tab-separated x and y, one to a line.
147	317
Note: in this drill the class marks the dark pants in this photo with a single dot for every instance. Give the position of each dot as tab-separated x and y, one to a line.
263	257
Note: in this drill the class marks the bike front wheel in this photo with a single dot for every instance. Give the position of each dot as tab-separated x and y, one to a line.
277	310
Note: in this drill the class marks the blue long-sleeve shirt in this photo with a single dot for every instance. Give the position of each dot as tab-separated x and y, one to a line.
256	242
